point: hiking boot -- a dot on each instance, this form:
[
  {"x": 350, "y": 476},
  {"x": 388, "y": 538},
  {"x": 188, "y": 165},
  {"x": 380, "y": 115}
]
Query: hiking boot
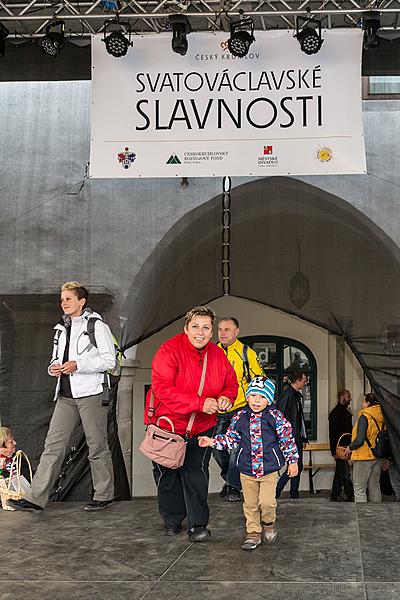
[
  {"x": 172, "y": 529},
  {"x": 98, "y": 504},
  {"x": 233, "y": 495},
  {"x": 224, "y": 492},
  {"x": 199, "y": 534},
  {"x": 269, "y": 534},
  {"x": 24, "y": 505},
  {"x": 251, "y": 541}
]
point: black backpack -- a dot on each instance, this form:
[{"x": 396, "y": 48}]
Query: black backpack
[{"x": 382, "y": 444}]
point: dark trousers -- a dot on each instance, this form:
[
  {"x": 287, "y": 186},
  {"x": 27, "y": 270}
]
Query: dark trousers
[
  {"x": 226, "y": 459},
  {"x": 294, "y": 481},
  {"x": 342, "y": 479},
  {"x": 183, "y": 492}
]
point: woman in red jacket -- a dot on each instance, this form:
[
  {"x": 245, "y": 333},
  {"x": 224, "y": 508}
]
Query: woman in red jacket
[{"x": 177, "y": 369}]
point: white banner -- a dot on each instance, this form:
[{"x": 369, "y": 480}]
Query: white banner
[{"x": 277, "y": 111}]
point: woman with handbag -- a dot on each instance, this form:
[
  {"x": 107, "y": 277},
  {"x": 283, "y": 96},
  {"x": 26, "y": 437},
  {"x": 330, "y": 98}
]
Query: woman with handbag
[
  {"x": 191, "y": 380},
  {"x": 366, "y": 467}
]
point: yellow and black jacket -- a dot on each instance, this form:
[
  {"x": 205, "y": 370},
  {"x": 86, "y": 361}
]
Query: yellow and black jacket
[
  {"x": 370, "y": 413},
  {"x": 235, "y": 355}
]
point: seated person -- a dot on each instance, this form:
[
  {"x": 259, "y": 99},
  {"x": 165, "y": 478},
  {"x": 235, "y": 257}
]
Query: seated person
[{"x": 8, "y": 448}]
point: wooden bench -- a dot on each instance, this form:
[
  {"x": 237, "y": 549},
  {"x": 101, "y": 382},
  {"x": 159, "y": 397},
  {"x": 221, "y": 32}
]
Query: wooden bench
[{"x": 314, "y": 468}]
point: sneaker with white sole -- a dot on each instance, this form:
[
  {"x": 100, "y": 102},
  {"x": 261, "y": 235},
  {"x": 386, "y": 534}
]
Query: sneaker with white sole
[{"x": 251, "y": 541}]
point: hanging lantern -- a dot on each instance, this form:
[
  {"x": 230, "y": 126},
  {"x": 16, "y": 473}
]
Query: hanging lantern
[{"x": 299, "y": 289}]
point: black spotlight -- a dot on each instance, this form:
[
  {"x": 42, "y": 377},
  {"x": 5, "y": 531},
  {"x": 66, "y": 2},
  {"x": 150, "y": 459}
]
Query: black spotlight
[
  {"x": 371, "y": 24},
  {"x": 308, "y": 33},
  {"x": 241, "y": 37},
  {"x": 3, "y": 34},
  {"x": 53, "y": 41},
  {"x": 180, "y": 29},
  {"x": 116, "y": 42}
]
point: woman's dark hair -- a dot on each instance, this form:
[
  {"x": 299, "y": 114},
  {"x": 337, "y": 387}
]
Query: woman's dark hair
[{"x": 371, "y": 399}]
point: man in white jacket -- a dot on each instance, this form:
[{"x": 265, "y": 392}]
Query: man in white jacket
[{"x": 80, "y": 396}]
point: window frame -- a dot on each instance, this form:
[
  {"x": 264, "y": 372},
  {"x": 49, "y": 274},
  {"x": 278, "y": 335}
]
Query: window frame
[
  {"x": 280, "y": 343},
  {"x": 366, "y": 95}
]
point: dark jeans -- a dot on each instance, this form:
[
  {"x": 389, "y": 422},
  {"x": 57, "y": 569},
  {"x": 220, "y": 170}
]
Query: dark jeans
[
  {"x": 294, "y": 481},
  {"x": 183, "y": 492},
  {"x": 226, "y": 459},
  {"x": 342, "y": 479}
]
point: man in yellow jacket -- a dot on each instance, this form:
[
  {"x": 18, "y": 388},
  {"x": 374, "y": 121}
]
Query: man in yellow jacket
[{"x": 245, "y": 363}]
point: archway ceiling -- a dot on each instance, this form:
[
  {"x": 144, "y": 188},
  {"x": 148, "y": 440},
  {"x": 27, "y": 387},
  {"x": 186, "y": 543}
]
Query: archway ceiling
[{"x": 28, "y": 19}]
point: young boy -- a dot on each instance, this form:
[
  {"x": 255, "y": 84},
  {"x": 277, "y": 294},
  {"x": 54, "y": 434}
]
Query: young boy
[{"x": 265, "y": 442}]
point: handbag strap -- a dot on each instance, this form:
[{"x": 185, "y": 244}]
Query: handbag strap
[
  {"x": 378, "y": 428},
  {"x": 17, "y": 462},
  {"x": 199, "y": 393}
]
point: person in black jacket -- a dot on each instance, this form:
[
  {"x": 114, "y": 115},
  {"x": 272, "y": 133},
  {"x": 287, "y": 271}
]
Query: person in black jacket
[
  {"x": 340, "y": 422},
  {"x": 290, "y": 404}
]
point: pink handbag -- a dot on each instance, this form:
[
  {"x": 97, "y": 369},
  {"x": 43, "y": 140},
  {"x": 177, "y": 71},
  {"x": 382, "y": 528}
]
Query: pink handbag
[{"x": 168, "y": 448}]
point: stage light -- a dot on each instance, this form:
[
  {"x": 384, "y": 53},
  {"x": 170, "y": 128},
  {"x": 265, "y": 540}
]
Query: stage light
[
  {"x": 116, "y": 42},
  {"x": 308, "y": 33},
  {"x": 371, "y": 23},
  {"x": 241, "y": 37},
  {"x": 180, "y": 29},
  {"x": 3, "y": 34},
  {"x": 53, "y": 41}
]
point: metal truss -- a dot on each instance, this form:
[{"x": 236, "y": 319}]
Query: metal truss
[{"x": 26, "y": 20}]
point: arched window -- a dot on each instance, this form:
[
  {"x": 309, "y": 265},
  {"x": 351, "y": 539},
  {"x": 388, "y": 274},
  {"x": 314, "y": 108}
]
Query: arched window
[{"x": 281, "y": 356}]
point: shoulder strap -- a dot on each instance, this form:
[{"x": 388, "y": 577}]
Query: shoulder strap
[
  {"x": 199, "y": 393},
  {"x": 378, "y": 428},
  {"x": 91, "y": 322},
  {"x": 246, "y": 365},
  {"x": 151, "y": 409}
]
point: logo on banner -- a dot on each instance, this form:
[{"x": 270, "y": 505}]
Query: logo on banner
[
  {"x": 324, "y": 154},
  {"x": 268, "y": 159},
  {"x": 173, "y": 160},
  {"x": 126, "y": 158}
]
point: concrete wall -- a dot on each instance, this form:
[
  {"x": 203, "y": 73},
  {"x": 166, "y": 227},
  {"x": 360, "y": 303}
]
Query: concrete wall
[{"x": 254, "y": 319}]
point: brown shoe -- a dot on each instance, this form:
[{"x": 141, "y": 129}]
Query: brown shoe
[
  {"x": 269, "y": 534},
  {"x": 251, "y": 541}
]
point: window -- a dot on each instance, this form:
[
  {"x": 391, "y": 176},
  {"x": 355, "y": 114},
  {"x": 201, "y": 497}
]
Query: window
[
  {"x": 381, "y": 87},
  {"x": 281, "y": 356}
]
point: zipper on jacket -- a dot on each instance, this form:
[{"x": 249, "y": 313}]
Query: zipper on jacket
[
  {"x": 238, "y": 456},
  {"x": 276, "y": 456}
]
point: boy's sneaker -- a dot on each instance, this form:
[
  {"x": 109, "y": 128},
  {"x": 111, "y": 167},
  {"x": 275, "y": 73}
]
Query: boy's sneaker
[
  {"x": 251, "y": 541},
  {"x": 98, "y": 504},
  {"x": 233, "y": 495},
  {"x": 269, "y": 534}
]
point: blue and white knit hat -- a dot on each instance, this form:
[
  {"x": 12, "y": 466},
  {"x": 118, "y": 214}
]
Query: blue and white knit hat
[{"x": 262, "y": 385}]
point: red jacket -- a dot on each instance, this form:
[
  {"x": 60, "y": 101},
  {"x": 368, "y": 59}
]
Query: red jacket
[{"x": 177, "y": 368}]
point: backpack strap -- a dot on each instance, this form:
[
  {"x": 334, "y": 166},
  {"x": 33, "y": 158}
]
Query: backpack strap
[
  {"x": 246, "y": 365},
  {"x": 91, "y": 322},
  {"x": 378, "y": 428}
]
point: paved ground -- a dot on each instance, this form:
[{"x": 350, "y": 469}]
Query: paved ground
[{"x": 324, "y": 551}]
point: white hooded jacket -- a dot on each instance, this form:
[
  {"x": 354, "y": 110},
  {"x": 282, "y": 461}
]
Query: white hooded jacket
[{"x": 91, "y": 362}]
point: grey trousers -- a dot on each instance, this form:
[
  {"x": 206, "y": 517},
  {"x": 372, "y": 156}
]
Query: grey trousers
[
  {"x": 366, "y": 474},
  {"x": 67, "y": 414}
]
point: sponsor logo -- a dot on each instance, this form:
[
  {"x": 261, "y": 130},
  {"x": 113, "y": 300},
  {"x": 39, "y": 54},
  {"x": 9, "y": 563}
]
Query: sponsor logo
[
  {"x": 195, "y": 157},
  {"x": 173, "y": 160},
  {"x": 325, "y": 154},
  {"x": 225, "y": 55},
  {"x": 268, "y": 158},
  {"x": 126, "y": 158}
]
